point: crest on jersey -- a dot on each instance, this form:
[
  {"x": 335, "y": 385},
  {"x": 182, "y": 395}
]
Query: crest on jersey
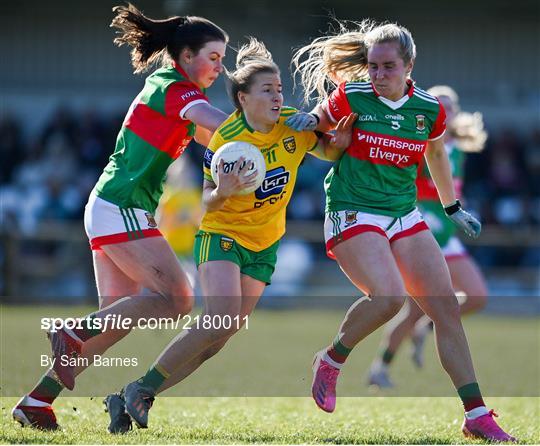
[
  {"x": 350, "y": 218},
  {"x": 289, "y": 144},
  {"x": 226, "y": 243},
  {"x": 420, "y": 123},
  {"x": 151, "y": 220}
]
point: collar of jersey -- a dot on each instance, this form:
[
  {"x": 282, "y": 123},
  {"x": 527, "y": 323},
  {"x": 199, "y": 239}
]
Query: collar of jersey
[
  {"x": 251, "y": 130},
  {"x": 394, "y": 105},
  {"x": 178, "y": 68}
]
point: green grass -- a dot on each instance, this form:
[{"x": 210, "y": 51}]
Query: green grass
[
  {"x": 245, "y": 395},
  {"x": 279, "y": 420}
]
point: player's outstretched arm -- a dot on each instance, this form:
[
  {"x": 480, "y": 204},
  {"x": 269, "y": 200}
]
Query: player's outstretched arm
[
  {"x": 314, "y": 120},
  {"x": 439, "y": 168},
  {"x": 332, "y": 146},
  {"x": 205, "y": 115}
]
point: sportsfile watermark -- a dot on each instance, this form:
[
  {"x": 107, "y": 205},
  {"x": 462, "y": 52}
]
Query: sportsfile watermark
[
  {"x": 118, "y": 322},
  {"x": 274, "y": 357}
]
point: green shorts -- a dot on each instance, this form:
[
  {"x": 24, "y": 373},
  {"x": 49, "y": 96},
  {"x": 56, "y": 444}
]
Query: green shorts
[{"x": 259, "y": 265}]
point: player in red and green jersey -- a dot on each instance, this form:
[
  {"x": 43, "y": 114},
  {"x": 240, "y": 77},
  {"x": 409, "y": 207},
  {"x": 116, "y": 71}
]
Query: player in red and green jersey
[
  {"x": 129, "y": 252},
  {"x": 372, "y": 226},
  {"x": 236, "y": 248},
  {"x": 465, "y": 134}
]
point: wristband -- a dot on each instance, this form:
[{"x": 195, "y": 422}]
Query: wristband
[
  {"x": 316, "y": 117},
  {"x": 453, "y": 208}
]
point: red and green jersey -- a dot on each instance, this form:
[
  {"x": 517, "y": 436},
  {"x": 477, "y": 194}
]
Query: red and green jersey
[
  {"x": 425, "y": 185},
  {"x": 377, "y": 172},
  {"x": 154, "y": 134},
  {"x": 428, "y": 199}
]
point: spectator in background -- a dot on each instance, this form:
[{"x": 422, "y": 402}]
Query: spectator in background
[{"x": 11, "y": 147}]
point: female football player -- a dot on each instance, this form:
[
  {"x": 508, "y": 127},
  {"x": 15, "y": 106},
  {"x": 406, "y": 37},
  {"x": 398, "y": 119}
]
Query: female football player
[
  {"x": 236, "y": 247},
  {"x": 129, "y": 252},
  {"x": 464, "y": 134},
  {"x": 372, "y": 226}
]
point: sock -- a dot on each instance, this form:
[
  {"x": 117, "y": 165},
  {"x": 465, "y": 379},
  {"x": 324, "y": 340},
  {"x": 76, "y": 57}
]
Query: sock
[
  {"x": 87, "y": 329},
  {"x": 470, "y": 396},
  {"x": 337, "y": 352},
  {"x": 475, "y": 413},
  {"x": 46, "y": 390},
  {"x": 387, "y": 357},
  {"x": 155, "y": 376}
]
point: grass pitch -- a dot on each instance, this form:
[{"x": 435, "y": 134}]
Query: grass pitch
[
  {"x": 245, "y": 395},
  {"x": 369, "y": 420}
]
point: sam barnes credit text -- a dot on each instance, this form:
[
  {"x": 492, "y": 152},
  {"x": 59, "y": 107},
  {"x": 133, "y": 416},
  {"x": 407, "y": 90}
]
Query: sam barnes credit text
[{"x": 98, "y": 361}]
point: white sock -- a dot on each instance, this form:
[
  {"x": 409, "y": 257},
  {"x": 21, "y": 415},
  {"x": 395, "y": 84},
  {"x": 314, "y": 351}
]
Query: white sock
[
  {"x": 476, "y": 412},
  {"x": 379, "y": 366},
  {"x": 330, "y": 361},
  {"x": 29, "y": 401}
]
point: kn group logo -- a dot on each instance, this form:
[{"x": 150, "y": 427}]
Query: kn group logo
[
  {"x": 208, "y": 155},
  {"x": 273, "y": 184}
]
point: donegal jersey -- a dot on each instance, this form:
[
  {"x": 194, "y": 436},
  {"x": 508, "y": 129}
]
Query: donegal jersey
[
  {"x": 377, "y": 172},
  {"x": 257, "y": 220},
  {"x": 154, "y": 133}
]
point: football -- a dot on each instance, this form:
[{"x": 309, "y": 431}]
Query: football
[{"x": 230, "y": 153}]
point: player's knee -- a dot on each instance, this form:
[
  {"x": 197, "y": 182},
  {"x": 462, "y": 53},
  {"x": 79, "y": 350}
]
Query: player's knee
[
  {"x": 445, "y": 311},
  {"x": 392, "y": 304},
  {"x": 477, "y": 301},
  {"x": 178, "y": 296}
]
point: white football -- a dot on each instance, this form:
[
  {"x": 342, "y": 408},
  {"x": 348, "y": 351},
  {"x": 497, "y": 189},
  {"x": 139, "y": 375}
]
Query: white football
[{"x": 230, "y": 153}]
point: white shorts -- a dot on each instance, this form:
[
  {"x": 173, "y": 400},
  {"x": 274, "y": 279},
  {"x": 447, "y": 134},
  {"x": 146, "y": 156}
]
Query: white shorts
[
  {"x": 454, "y": 249},
  {"x": 342, "y": 225},
  {"x": 106, "y": 223}
]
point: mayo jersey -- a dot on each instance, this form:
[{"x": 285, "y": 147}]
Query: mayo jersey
[
  {"x": 428, "y": 199},
  {"x": 425, "y": 185},
  {"x": 153, "y": 135},
  {"x": 377, "y": 172},
  {"x": 257, "y": 220}
]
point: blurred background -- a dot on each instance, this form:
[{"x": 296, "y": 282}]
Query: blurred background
[{"x": 65, "y": 89}]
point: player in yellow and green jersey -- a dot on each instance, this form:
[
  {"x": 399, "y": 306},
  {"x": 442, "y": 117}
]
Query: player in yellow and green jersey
[{"x": 236, "y": 247}]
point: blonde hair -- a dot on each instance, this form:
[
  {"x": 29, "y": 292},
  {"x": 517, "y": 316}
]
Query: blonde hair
[
  {"x": 344, "y": 55},
  {"x": 252, "y": 58},
  {"x": 466, "y": 128}
]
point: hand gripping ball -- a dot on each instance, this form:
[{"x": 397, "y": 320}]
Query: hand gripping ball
[{"x": 230, "y": 153}]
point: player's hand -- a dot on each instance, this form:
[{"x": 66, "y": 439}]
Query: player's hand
[
  {"x": 301, "y": 121},
  {"x": 342, "y": 137},
  {"x": 469, "y": 224},
  {"x": 235, "y": 181}
]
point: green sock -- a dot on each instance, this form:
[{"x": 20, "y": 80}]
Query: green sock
[
  {"x": 471, "y": 396},
  {"x": 87, "y": 329},
  {"x": 46, "y": 390},
  {"x": 337, "y": 351},
  {"x": 154, "y": 378},
  {"x": 387, "y": 357}
]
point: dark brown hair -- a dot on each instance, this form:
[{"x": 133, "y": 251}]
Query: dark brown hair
[{"x": 156, "y": 41}]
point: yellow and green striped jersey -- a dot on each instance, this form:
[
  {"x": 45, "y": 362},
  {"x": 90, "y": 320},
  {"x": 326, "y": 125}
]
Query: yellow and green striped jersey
[{"x": 257, "y": 220}]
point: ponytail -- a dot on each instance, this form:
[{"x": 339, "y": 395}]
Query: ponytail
[
  {"x": 156, "y": 41},
  {"x": 343, "y": 56}
]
